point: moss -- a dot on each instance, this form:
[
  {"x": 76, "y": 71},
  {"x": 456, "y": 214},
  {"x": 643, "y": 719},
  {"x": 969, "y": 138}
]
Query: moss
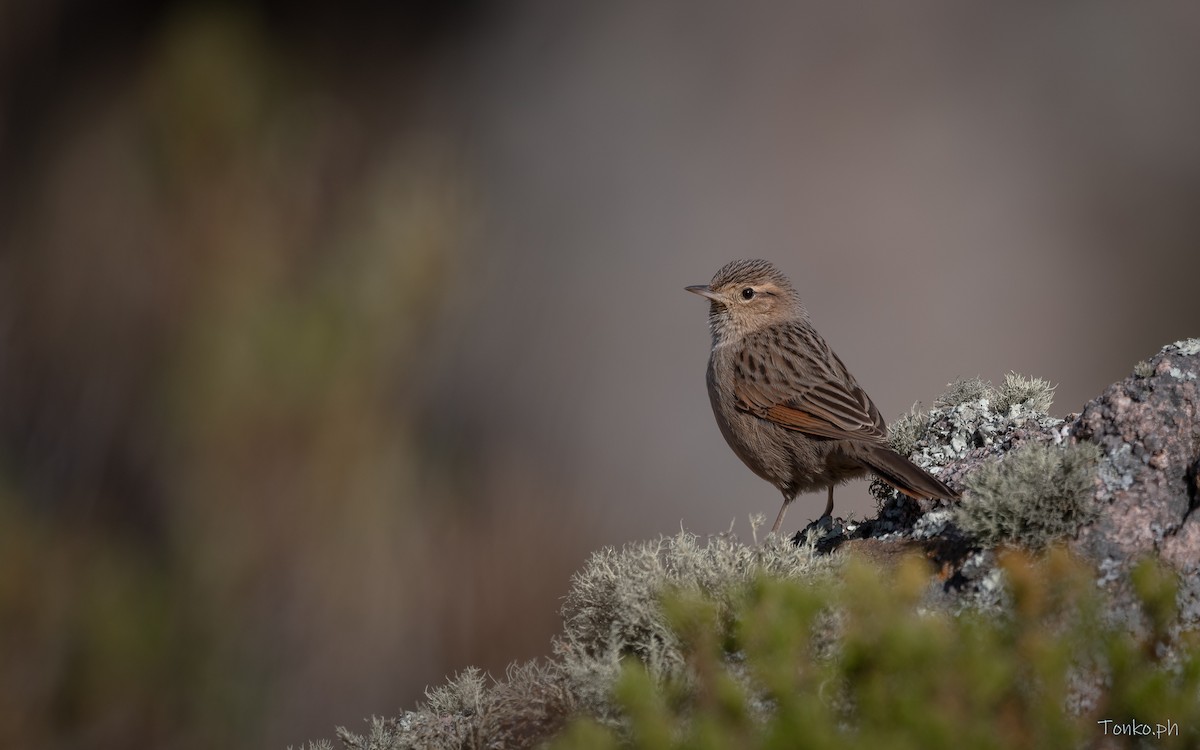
[{"x": 1032, "y": 496}]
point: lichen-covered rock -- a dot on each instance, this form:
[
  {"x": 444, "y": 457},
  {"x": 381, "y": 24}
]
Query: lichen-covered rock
[
  {"x": 1027, "y": 479},
  {"x": 973, "y": 427},
  {"x": 970, "y": 425},
  {"x": 1148, "y": 429}
]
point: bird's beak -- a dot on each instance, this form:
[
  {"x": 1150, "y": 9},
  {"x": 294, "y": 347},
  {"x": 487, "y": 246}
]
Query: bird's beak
[{"x": 703, "y": 291}]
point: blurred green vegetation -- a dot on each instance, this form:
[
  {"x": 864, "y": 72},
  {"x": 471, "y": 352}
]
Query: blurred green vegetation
[
  {"x": 901, "y": 674},
  {"x": 216, "y": 293},
  {"x": 102, "y": 645}
]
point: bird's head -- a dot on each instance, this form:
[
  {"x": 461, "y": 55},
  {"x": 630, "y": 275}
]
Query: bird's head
[{"x": 746, "y": 295}]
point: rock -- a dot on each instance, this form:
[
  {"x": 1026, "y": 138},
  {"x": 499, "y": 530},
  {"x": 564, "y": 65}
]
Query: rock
[{"x": 1148, "y": 428}]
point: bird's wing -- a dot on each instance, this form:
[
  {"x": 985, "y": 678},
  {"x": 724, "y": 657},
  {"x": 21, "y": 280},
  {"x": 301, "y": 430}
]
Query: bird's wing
[{"x": 788, "y": 374}]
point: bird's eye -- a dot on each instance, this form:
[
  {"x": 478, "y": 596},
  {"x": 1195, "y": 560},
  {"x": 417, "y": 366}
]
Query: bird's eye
[{"x": 748, "y": 293}]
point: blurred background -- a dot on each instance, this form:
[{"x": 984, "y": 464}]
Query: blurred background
[{"x": 333, "y": 338}]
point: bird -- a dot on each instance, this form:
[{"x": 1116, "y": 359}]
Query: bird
[{"x": 784, "y": 401}]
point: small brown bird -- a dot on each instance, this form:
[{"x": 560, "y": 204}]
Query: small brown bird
[{"x": 784, "y": 401}]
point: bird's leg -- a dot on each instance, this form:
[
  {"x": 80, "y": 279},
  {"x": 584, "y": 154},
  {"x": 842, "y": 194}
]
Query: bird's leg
[
  {"x": 829, "y": 505},
  {"x": 779, "y": 518}
]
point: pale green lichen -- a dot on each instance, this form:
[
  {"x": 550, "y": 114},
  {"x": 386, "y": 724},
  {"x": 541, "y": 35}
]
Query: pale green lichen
[
  {"x": 614, "y": 608},
  {"x": 907, "y": 430},
  {"x": 1186, "y": 347},
  {"x": 1032, "y": 496},
  {"x": 472, "y": 710},
  {"x": 965, "y": 390},
  {"x": 1032, "y": 394}
]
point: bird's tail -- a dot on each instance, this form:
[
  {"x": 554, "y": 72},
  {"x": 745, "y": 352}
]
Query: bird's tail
[{"x": 906, "y": 476}]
